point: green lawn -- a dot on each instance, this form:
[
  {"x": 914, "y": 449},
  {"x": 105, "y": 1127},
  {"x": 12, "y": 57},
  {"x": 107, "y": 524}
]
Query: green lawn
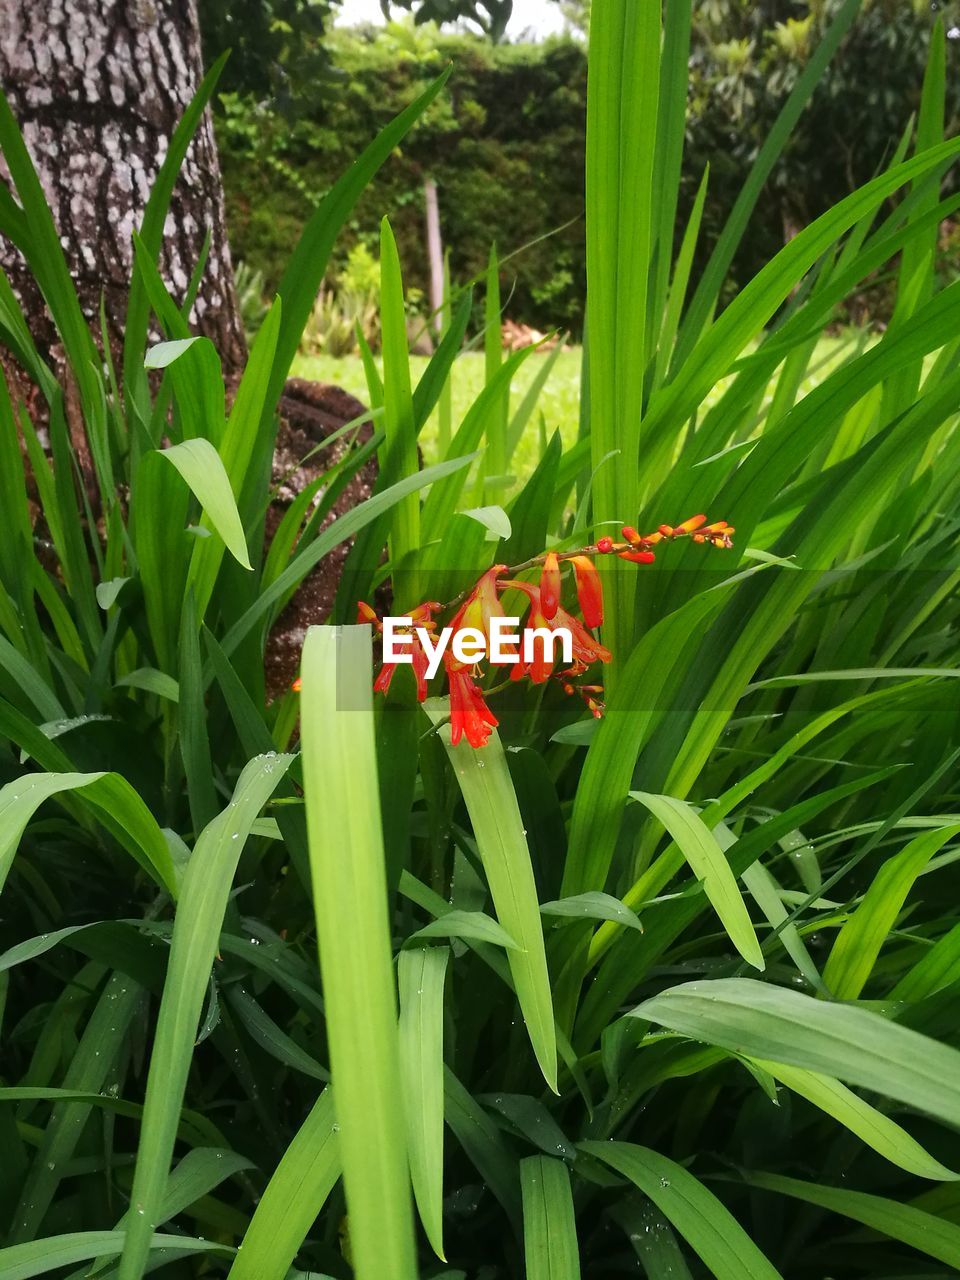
[{"x": 559, "y": 403}]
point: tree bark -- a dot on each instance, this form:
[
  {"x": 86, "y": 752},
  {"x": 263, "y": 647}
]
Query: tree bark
[{"x": 98, "y": 87}]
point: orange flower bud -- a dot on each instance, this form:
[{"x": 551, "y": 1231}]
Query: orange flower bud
[
  {"x": 550, "y": 586},
  {"x": 690, "y": 525},
  {"x": 589, "y": 590},
  {"x": 637, "y": 557}
]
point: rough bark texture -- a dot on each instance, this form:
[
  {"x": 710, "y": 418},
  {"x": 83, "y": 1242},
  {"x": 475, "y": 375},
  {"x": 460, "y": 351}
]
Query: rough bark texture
[{"x": 98, "y": 87}]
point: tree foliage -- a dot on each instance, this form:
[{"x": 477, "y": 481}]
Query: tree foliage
[
  {"x": 277, "y": 48},
  {"x": 489, "y": 16},
  {"x": 506, "y": 148}
]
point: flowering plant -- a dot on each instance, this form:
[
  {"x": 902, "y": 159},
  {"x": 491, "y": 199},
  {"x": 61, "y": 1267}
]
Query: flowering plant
[{"x": 474, "y": 610}]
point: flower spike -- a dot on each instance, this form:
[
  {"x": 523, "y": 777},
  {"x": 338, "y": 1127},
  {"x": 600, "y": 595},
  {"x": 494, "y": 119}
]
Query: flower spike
[{"x": 475, "y": 609}]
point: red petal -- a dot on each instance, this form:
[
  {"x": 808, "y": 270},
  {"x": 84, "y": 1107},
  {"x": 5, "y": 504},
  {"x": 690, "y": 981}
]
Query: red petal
[
  {"x": 637, "y": 557},
  {"x": 550, "y": 585},
  {"x": 589, "y": 590}
]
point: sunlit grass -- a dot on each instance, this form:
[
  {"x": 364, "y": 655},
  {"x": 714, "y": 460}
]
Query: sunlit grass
[{"x": 559, "y": 407}]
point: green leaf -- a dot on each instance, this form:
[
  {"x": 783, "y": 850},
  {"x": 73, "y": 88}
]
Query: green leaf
[
  {"x": 421, "y": 974},
  {"x": 115, "y": 802},
  {"x": 927, "y": 1232},
  {"x": 709, "y": 864},
  {"x": 936, "y": 969},
  {"x": 550, "y": 1246},
  {"x": 295, "y": 1194},
  {"x": 709, "y": 1228},
  {"x": 484, "y": 780},
  {"x": 494, "y": 519},
  {"x": 151, "y": 681},
  {"x": 22, "y": 1261},
  {"x": 877, "y": 1130},
  {"x": 349, "y": 887},
  {"x": 107, "y": 592},
  {"x": 592, "y": 906},
  {"x": 853, "y": 1044},
  {"x": 859, "y": 942},
  {"x": 338, "y": 531},
  {"x": 713, "y": 277},
  {"x": 398, "y": 454},
  {"x": 150, "y": 238},
  {"x": 473, "y": 925},
  {"x": 203, "y": 901},
  {"x": 201, "y": 467},
  {"x": 654, "y": 1242},
  {"x": 163, "y": 354}
]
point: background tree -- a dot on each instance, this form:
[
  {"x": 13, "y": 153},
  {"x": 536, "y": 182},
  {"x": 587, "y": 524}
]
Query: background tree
[
  {"x": 277, "y": 49},
  {"x": 489, "y": 16},
  {"x": 98, "y": 87}
]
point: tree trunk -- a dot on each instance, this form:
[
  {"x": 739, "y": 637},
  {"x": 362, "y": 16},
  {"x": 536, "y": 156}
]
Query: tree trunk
[{"x": 98, "y": 87}]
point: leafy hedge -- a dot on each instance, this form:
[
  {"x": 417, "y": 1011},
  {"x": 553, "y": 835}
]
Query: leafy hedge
[{"x": 506, "y": 147}]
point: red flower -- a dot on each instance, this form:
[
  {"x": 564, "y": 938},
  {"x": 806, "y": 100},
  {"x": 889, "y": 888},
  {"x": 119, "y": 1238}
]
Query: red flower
[
  {"x": 421, "y": 616},
  {"x": 589, "y": 590},
  {"x": 586, "y": 650},
  {"x": 469, "y": 714},
  {"x": 550, "y": 585},
  {"x": 480, "y": 606},
  {"x": 540, "y": 666}
]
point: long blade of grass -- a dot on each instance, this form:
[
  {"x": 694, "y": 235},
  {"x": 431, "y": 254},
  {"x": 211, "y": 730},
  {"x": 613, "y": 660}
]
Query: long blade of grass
[
  {"x": 116, "y": 803},
  {"x": 203, "y": 900},
  {"x": 295, "y": 1194},
  {"x": 550, "y": 1246},
  {"x": 877, "y": 1130},
  {"x": 707, "y": 1226},
  {"x": 853, "y": 1044},
  {"x": 484, "y": 781},
  {"x": 421, "y": 974},
  {"x": 495, "y": 458},
  {"x": 349, "y": 889},
  {"x": 398, "y": 455},
  {"x": 154, "y": 217},
  {"x": 928, "y": 1232},
  {"x": 858, "y": 943},
  {"x": 343, "y": 527},
  {"x": 699, "y": 846},
  {"x": 21, "y": 1261}
]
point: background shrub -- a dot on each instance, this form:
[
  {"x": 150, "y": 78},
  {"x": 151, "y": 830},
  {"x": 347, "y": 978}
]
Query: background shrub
[{"x": 506, "y": 146}]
